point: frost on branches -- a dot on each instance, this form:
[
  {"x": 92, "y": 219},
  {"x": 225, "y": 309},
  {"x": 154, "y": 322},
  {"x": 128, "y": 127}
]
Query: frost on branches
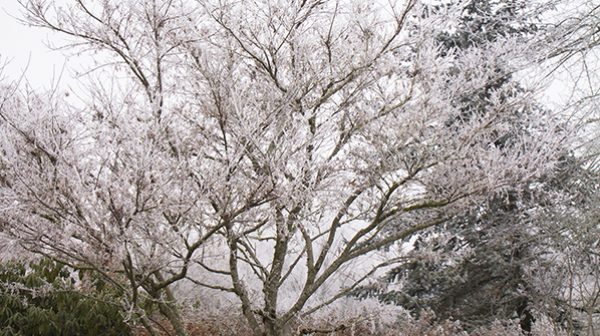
[{"x": 286, "y": 137}]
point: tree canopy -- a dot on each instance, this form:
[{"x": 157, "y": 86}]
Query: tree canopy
[{"x": 262, "y": 148}]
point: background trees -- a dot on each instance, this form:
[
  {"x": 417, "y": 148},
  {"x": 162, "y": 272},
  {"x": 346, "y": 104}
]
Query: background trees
[
  {"x": 489, "y": 264},
  {"x": 291, "y": 139}
]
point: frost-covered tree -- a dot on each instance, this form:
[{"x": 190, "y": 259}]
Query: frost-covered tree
[
  {"x": 494, "y": 262},
  {"x": 290, "y": 139},
  {"x": 473, "y": 268},
  {"x": 506, "y": 260},
  {"x": 566, "y": 272}
]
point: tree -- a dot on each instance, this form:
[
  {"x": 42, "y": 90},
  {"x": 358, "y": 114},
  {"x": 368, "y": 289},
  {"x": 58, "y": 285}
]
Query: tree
[
  {"x": 473, "y": 269},
  {"x": 294, "y": 134},
  {"x": 566, "y": 274},
  {"x": 504, "y": 261}
]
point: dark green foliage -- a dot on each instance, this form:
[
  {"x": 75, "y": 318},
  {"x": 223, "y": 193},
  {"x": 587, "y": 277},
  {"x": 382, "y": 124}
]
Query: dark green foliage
[
  {"x": 473, "y": 270},
  {"x": 40, "y": 299},
  {"x": 478, "y": 268}
]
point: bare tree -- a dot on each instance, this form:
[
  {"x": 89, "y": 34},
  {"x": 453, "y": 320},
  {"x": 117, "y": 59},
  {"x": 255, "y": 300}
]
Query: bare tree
[{"x": 295, "y": 133}]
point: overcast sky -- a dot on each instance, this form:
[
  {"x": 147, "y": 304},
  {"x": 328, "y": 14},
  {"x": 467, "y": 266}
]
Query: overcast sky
[{"x": 24, "y": 48}]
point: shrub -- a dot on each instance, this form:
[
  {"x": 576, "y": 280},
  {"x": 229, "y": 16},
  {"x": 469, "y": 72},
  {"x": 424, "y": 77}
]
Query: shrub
[{"x": 40, "y": 298}]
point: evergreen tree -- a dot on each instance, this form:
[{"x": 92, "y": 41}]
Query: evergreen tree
[{"x": 474, "y": 269}]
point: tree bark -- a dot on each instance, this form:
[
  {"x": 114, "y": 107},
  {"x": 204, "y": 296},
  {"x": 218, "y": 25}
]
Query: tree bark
[{"x": 168, "y": 308}]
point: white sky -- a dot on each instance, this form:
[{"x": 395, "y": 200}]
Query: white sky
[{"x": 25, "y": 49}]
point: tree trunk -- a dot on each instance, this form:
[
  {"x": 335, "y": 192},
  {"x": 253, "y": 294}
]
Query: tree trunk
[
  {"x": 167, "y": 307},
  {"x": 148, "y": 326},
  {"x": 172, "y": 314},
  {"x": 276, "y": 328}
]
